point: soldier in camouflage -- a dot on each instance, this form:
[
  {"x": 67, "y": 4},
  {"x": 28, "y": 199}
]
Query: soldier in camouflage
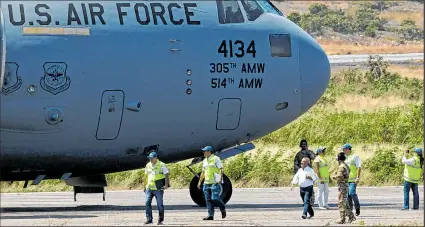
[{"x": 341, "y": 179}]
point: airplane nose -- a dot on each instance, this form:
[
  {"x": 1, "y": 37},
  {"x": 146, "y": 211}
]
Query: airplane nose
[{"x": 315, "y": 71}]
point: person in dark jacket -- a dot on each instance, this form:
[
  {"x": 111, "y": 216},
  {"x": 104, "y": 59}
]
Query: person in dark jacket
[{"x": 305, "y": 152}]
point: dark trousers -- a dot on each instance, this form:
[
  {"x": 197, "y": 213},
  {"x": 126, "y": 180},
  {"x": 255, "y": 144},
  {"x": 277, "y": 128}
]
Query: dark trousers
[
  {"x": 352, "y": 196},
  {"x": 414, "y": 187},
  {"x": 306, "y": 193},
  {"x": 211, "y": 194},
  {"x": 158, "y": 194}
]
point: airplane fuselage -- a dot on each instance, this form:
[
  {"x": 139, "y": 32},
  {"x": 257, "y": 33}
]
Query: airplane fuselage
[{"x": 105, "y": 80}]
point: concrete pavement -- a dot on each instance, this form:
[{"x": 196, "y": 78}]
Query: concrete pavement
[{"x": 248, "y": 207}]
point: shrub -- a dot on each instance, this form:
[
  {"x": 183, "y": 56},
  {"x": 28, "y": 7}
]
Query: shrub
[
  {"x": 366, "y": 20},
  {"x": 385, "y": 167},
  {"x": 368, "y": 17},
  {"x": 371, "y": 31},
  {"x": 295, "y": 17},
  {"x": 409, "y": 31}
]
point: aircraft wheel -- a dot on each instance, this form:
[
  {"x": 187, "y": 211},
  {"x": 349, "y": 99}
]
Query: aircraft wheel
[{"x": 197, "y": 195}]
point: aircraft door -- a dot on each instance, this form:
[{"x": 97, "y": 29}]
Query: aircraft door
[
  {"x": 228, "y": 114},
  {"x": 110, "y": 116},
  {"x": 2, "y": 48}
]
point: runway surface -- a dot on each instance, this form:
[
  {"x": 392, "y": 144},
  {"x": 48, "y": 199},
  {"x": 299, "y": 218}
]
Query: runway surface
[
  {"x": 346, "y": 60},
  {"x": 248, "y": 207}
]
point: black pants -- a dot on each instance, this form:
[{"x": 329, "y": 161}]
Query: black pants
[{"x": 306, "y": 193}]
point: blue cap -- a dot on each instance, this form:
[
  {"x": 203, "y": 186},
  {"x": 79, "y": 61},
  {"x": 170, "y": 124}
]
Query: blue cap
[
  {"x": 346, "y": 146},
  {"x": 418, "y": 150},
  {"x": 153, "y": 155},
  {"x": 207, "y": 148},
  {"x": 320, "y": 149}
]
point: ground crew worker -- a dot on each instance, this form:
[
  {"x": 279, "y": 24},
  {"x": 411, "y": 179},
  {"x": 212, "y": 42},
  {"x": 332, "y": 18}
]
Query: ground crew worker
[
  {"x": 353, "y": 161},
  {"x": 301, "y": 154},
  {"x": 341, "y": 178},
  {"x": 322, "y": 171},
  {"x": 156, "y": 180},
  {"x": 412, "y": 175},
  {"x": 212, "y": 172},
  {"x": 305, "y": 178}
]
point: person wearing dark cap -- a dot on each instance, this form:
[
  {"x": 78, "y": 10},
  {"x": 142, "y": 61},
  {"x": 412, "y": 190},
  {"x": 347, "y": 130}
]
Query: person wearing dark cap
[
  {"x": 341, "y": 178},
  {"x": 412, "y": 176},
  {"x": 156, "y": 180},
  {"x": 305, "y": 152},
  {"x": 322, "y": 171},
  {"x": 354, "y": 163},
  {"x": 212, "y": 172}
]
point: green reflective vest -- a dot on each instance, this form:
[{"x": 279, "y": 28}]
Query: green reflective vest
[
  {"x": 209, "y": 167},
  {"x": 412, "y": 173},
  {"x": 154, "y": 174},
  {"x": 323, "y": 169},
  {"x": 353, "y": 168}
]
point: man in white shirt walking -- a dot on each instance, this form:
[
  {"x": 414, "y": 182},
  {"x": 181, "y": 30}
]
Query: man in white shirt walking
[{"x": 305, "y": 178}]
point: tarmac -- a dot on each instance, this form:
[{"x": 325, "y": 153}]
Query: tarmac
[{"x": 247, "y": 207}]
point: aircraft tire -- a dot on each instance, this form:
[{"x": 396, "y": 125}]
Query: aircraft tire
[{"x": 197, "y": 195}]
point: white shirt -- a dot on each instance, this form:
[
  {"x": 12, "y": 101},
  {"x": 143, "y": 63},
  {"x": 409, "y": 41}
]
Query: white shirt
[
  {"x": 407, "y": 161},
  {"x": 218, "y": 163},
  {"x": 300, "y": 177},
  {"x": 357, "y": 161},
  {"x": 164, "y": 168}
]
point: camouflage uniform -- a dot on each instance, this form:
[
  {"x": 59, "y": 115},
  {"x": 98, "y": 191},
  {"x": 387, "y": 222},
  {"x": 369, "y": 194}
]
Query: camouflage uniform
[{"x": 341, "y": 178}]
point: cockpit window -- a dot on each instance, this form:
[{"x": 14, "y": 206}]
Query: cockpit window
[
  {"x": 280, "y": 45},
  {"x": 229, "y": 12},
  {"x": 253, "y": 9},
  {"x": 269, "y": 7}
]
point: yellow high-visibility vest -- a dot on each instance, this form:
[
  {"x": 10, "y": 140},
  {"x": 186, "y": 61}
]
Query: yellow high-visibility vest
[
  {"x": 412, "y": 173},
  {"x": 353, "y": 168},
  {"x": 210, "y": 168},
  {"x": 323, "y": 169},
  {"x": 154, "y": 174}
]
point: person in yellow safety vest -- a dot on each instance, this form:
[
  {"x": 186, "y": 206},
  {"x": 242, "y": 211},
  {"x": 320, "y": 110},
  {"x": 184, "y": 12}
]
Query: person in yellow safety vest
[
  {"x": 212, "y": 172},
  {"x": 354, "y": 162},
  {"x": 322, "y": 171},
  {"x": 412, "y": 176},
  {"x": 156, "y": 180}
]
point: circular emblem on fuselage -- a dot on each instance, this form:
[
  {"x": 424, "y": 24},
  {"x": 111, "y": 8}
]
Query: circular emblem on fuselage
[{"x": 55, "y": 75}]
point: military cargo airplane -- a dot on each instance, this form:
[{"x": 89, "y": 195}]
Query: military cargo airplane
[{"x": 91, "y": 87}]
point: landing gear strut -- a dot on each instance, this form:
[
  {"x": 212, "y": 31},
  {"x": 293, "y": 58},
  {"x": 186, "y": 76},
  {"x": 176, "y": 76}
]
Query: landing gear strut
[{"x": 197, "y": 195}]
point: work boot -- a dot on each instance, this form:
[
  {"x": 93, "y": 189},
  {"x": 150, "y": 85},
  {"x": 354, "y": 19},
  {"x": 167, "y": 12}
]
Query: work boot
[
  {"x": 223, "y": 214},
  {"x": 357, "y": 211},
  {"x": 351, "y": 219},
  {"x": 208, "y": 218},
  {"x": 148, "y": 222}
]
